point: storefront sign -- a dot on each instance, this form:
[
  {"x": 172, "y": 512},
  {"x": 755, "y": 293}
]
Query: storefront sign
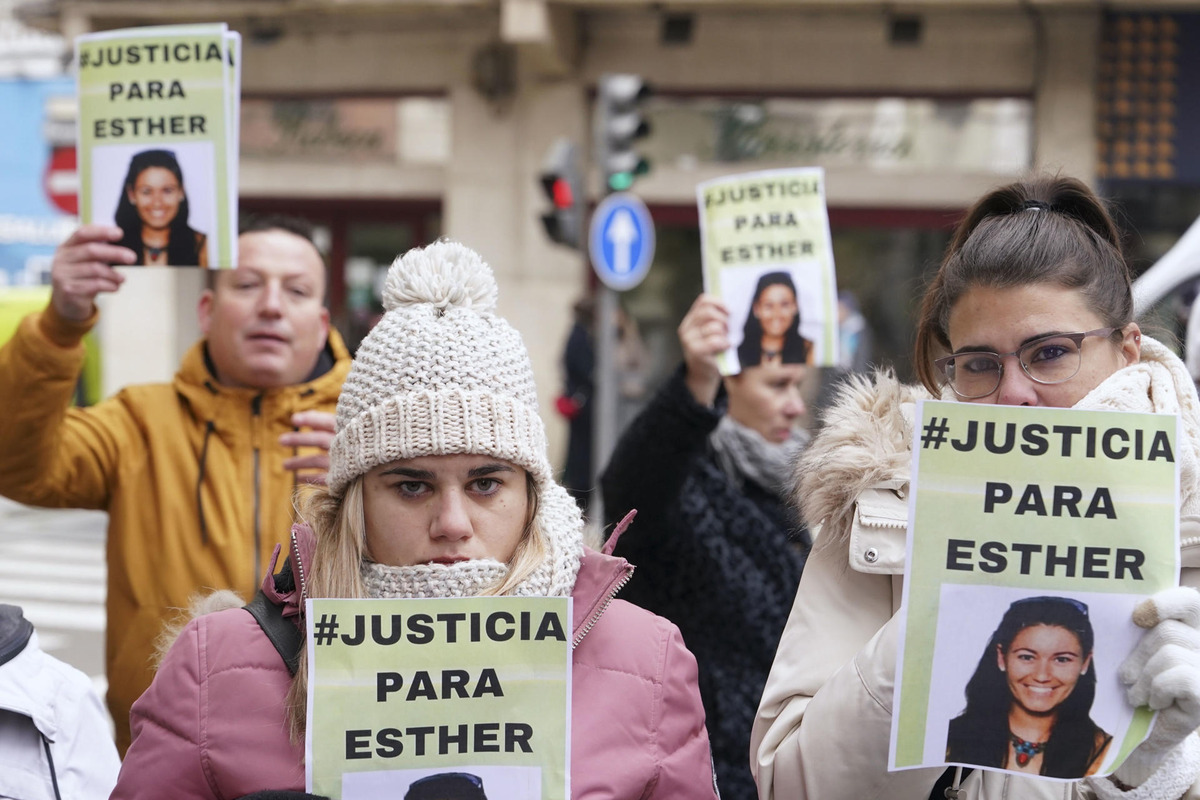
[
  {"x": 895, "y": 134},
  {"x": 393, "y": 130}
]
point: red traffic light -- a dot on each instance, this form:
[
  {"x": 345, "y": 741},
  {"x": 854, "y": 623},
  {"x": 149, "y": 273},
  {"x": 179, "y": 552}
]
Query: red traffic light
[
  {"x": 559, "y": 190},
  {"x": 562, "y": 182},
  {"x": 563, "y": 196}
]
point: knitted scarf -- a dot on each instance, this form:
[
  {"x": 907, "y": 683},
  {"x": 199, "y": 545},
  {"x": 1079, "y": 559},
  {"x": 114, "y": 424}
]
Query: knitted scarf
[
  {"x": 464, "y": 579},
  {"x": 743, "y": 454},
  {"x": 1159, "y": 383}
]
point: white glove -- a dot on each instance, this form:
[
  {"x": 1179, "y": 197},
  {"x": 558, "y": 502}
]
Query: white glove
[{"x": 1163, "y": 672}]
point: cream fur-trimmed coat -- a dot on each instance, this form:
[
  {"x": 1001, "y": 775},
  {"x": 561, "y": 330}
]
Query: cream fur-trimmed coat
[{"x": 824, "y": 722}]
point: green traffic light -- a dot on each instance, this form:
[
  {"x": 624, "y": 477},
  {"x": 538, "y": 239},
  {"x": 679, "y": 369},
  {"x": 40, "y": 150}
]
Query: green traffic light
[{"x": 620, "y": 181}]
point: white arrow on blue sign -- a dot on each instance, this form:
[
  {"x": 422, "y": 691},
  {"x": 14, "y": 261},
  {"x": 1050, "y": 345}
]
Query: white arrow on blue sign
[{"x": 621, "y": 241}]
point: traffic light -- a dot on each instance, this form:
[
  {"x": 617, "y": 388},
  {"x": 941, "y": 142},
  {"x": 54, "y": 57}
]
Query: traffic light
[
  {"x": 619, "y": 124},
  {"x": 562, "y": 181}
]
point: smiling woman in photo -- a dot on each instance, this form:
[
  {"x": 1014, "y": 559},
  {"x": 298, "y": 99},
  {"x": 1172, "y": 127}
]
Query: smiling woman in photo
[
  {"x": 1030, "y": 699},
  {"x": 772, "y": 331},
  {"x": 153, "y": 213}
]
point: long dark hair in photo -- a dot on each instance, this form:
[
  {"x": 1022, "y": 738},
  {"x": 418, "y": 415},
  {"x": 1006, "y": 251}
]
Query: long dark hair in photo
[
  {"x": 181, "y": 242},
  {"x": 795, "y": 347},
  {"x": 980, "y": 735}
]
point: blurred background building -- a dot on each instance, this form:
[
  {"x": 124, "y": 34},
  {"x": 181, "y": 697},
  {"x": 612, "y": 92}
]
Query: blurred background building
[{"x": 392, "y": 122}]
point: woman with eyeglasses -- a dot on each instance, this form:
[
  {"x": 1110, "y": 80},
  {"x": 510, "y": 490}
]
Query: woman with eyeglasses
[
  {"x": 1030, "y": 698},
  {"x": 1032, "y": 306}
]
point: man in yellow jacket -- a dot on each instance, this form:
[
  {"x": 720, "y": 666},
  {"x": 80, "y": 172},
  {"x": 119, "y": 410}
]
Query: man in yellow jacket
[{"x": 197, "y": 475}]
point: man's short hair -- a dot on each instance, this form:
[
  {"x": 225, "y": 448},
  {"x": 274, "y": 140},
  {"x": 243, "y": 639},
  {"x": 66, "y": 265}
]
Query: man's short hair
[
  {"x": 251, "y": 223},
  {"x": 256, "y": 223}
]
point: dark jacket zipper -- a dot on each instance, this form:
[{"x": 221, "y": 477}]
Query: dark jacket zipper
[{"x": 256, "y": 411}]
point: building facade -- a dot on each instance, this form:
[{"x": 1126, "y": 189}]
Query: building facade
[{"x": 390, "y": 123}]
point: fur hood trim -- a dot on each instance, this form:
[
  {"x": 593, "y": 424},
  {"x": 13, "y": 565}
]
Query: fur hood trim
[
  {"x": 198, "y": 606},
  {"x": 864, "y": 441},
  {"x": 867, "y": 432}
]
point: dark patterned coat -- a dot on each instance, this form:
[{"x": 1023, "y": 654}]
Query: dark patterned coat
[{"x": 720, "y": 560}]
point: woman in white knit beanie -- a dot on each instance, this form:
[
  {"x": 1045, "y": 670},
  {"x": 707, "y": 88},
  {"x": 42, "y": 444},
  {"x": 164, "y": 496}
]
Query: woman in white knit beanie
[{"x": 439, "y": 486}]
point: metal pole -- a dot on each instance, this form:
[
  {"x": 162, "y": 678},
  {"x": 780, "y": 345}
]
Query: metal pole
[{"x": 604, "y": 392}]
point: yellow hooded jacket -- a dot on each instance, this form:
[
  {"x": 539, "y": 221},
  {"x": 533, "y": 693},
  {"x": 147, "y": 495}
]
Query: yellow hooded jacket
[{"x": 191, "y": 475}]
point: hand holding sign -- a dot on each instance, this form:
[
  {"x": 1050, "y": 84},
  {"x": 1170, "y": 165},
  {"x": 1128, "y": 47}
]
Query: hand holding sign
[
  {"x": 80, "y": 270},
  {"x": 1163, "y": 672},
  {"x": 703, "y": 333}
]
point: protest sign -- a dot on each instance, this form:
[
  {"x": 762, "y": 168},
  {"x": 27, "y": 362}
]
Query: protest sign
[
  {"x": 1033, "y": 533},
  {"x": 158, "y": 140},
  {"x": 463, "y": 690},
  {"x": 767, "y": 254}
]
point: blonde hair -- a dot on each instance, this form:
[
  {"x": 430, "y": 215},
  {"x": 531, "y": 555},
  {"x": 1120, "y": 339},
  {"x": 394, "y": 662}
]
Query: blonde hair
[{"x": 340, "y": 527}]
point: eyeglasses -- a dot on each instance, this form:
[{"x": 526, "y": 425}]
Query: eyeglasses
[{"x": 1055, "y": 358}]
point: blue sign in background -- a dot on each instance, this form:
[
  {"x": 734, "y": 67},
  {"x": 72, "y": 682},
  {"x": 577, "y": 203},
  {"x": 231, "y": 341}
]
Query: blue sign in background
[
  {"x": 30, "y": 225},
  {"x": 621, "y": 241}
]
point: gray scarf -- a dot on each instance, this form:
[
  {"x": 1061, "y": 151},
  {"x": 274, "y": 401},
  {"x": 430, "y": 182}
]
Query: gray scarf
[{"x": 743, "y": 454}]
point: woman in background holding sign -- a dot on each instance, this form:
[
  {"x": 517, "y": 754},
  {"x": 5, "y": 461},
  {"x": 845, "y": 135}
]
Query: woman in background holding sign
[
  {"x": 439, "y": 486},
  {"x": 1031, "y": 306},
  {"x": 153, "y": 213},
  {"x": 717, "y": 548}
]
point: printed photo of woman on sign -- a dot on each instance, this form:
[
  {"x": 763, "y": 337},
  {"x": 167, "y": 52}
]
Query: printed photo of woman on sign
[
  {"x": 1029, "y": 701},
  {"x": 480, "y": 782},
  {"x": 447, "y": 786},
  {"x": 771, "y": 334},
  {"x": 771, "y": 320},
  {"x": 152, "y": 210}
]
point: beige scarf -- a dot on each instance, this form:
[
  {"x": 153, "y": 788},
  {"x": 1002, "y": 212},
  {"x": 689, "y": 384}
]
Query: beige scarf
[{"x": 1159, "y": 383}]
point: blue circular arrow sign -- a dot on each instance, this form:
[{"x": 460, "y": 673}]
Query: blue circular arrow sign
[{"x": 621, "y": 241}]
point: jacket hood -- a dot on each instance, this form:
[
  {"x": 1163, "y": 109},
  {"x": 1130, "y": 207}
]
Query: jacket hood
[
  {"x": 31, "y": 690},
  {"x": 864, "y": 441},
  {"x": 288, "y": 586},
  {"x": 15, "y": 631}
]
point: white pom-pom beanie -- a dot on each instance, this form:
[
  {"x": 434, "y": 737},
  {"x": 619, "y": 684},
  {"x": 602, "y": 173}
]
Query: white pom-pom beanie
[{"x": 441, "y": 374}]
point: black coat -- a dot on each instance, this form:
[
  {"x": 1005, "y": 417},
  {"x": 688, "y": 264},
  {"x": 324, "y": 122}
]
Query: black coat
[{"x": 721, "y": 561}]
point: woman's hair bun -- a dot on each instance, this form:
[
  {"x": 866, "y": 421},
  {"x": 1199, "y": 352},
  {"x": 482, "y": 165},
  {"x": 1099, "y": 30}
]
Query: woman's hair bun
[{"x": 445, "y": 275}]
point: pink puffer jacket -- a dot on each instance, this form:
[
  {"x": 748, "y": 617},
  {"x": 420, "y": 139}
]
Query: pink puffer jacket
[{"x": 212, "y": 725}]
